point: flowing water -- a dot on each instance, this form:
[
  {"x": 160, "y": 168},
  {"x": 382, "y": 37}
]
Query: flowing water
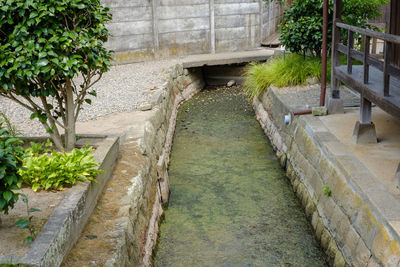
[{"x": 231, "y": 204}]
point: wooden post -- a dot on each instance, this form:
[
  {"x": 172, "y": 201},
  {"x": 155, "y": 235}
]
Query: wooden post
[
  {"x": 337, "y": 15},
  {"x": 365, "y": 111},
  {"x": 335, "y": 104},
  {"x": 367, "y": 41},
  {"x": 350, "y": 41},
  {"x": 394, "y": 28},
  {"x": 386, "y": 77},
  {"x": 374, "y": 44}
]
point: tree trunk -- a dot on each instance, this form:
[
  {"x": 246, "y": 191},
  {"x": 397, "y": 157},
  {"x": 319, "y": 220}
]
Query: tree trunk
[
  {"x": 70, "y": 138},
  {"x": 57, "y": 141}
]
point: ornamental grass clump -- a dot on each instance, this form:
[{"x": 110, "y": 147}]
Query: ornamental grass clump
[
  {"x": 288, "y": 70},
  {"x": 51, "y": 170}
]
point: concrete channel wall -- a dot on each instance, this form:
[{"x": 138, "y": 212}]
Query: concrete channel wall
[
  {"x": 146, "y": 29},
  {"x": 140, "y": 200},
  {"x": 356, "y": 223}
]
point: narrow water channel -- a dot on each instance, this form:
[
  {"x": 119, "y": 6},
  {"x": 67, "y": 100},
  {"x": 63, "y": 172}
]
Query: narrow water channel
[{"x": 231, "y": 204}]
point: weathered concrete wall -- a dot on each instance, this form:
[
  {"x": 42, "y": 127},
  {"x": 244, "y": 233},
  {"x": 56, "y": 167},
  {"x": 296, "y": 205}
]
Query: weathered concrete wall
[
  {"x": 140, "y": 184},
  {"x": 143, "y": 29},
  {"x": 271, "y": 18},
  {"x": 354, "y": 224}
]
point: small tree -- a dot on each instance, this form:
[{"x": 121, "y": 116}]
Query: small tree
[
  {"x": 301, "y": 27},
  {"x": 51, "y": 54}
]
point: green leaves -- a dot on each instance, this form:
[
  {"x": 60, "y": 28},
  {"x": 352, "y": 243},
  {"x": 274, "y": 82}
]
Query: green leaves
[
  {"x": 46, "y": 169},
  {"x": 10, "y": 162},
  {"x": 45, "y": 44},
  {"x": 27, "y": 223},
  {"x": 301, "y": 27},
  {"x": 326, "y": 190},
  {"x": 42, "y": 62},
  {"x": 7, "y": 195}
]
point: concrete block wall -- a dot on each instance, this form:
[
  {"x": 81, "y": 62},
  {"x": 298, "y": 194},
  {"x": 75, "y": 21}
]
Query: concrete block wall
[
  {"x": 183, "y": 27},
  {"x": 144, "y": 29},
  {"x": 271, "y": 17},
  {"x": 237, "y": 24},
  {"x": 131, "y": 28}
]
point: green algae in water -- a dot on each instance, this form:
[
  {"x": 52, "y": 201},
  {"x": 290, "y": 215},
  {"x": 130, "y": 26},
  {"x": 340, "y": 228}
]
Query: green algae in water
[{"x": 231, "y": 204}]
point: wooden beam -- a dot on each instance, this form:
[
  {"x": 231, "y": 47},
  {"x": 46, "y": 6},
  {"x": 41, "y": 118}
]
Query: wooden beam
[
  {"x": 366, "y": 92},
  {"x": 380, "y": 35}
]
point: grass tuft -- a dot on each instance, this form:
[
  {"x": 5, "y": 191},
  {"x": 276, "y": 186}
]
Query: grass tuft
[{"x": 287, "y": 70}]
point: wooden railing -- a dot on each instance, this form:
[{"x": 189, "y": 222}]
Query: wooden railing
[{"x": 385, "y": 66}]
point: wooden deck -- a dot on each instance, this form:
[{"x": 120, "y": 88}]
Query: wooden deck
[{"x": 373, "y": 90}]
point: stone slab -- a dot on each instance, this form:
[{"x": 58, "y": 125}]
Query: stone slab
[{"x": 227, "y": 58}]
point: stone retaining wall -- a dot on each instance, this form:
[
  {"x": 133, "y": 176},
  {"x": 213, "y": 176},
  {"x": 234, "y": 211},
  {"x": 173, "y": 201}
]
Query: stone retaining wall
[
  {"x": 355, "y": 224},
  {"x": 145, "y": 29},
  {"x": 140, "y": 205}
]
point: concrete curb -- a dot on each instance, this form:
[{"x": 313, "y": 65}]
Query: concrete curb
[{"x": 68, "y": 219}]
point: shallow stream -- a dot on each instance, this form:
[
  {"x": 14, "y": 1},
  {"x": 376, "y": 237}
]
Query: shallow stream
[{"x": 230, "y": 204}]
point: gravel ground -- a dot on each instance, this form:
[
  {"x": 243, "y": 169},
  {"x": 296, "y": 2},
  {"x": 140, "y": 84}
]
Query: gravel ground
[{"x": 124, "y": 88}]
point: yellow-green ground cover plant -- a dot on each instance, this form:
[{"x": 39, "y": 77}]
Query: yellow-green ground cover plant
[{"x": 48, "y": 169}]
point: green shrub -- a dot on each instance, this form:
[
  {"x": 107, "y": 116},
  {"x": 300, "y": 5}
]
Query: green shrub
[
  {"x": 46, "y": 169},
  {"x": 301, "y": 27},
  {"x": 288, "y": 70},
  {"x": 10, "y": 163},
  {"x": 44, "y": 46}
]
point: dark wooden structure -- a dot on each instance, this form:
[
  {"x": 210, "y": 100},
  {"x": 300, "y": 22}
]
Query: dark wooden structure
[{"x": 377, "y": 80}]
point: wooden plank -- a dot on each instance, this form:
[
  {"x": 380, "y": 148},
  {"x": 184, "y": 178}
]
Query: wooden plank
[{"x": 380, "y": 35}]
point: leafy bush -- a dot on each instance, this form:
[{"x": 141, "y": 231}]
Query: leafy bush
[
  {"x": 10, "y": 163},
  {"x": 46, "y": 169},
  {"x": 301, "y": 27},
  {"x": 288, "y": 70},
  {"x": 45, "y": 46}
]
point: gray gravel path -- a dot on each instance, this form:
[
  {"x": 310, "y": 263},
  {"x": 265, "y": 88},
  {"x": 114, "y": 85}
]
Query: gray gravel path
[{"x": 124, "y": 88}]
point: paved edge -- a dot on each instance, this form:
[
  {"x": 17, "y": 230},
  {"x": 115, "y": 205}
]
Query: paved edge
[
  {"x": 356, "y": 224},
  {"x": 68, "y": 219}
]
